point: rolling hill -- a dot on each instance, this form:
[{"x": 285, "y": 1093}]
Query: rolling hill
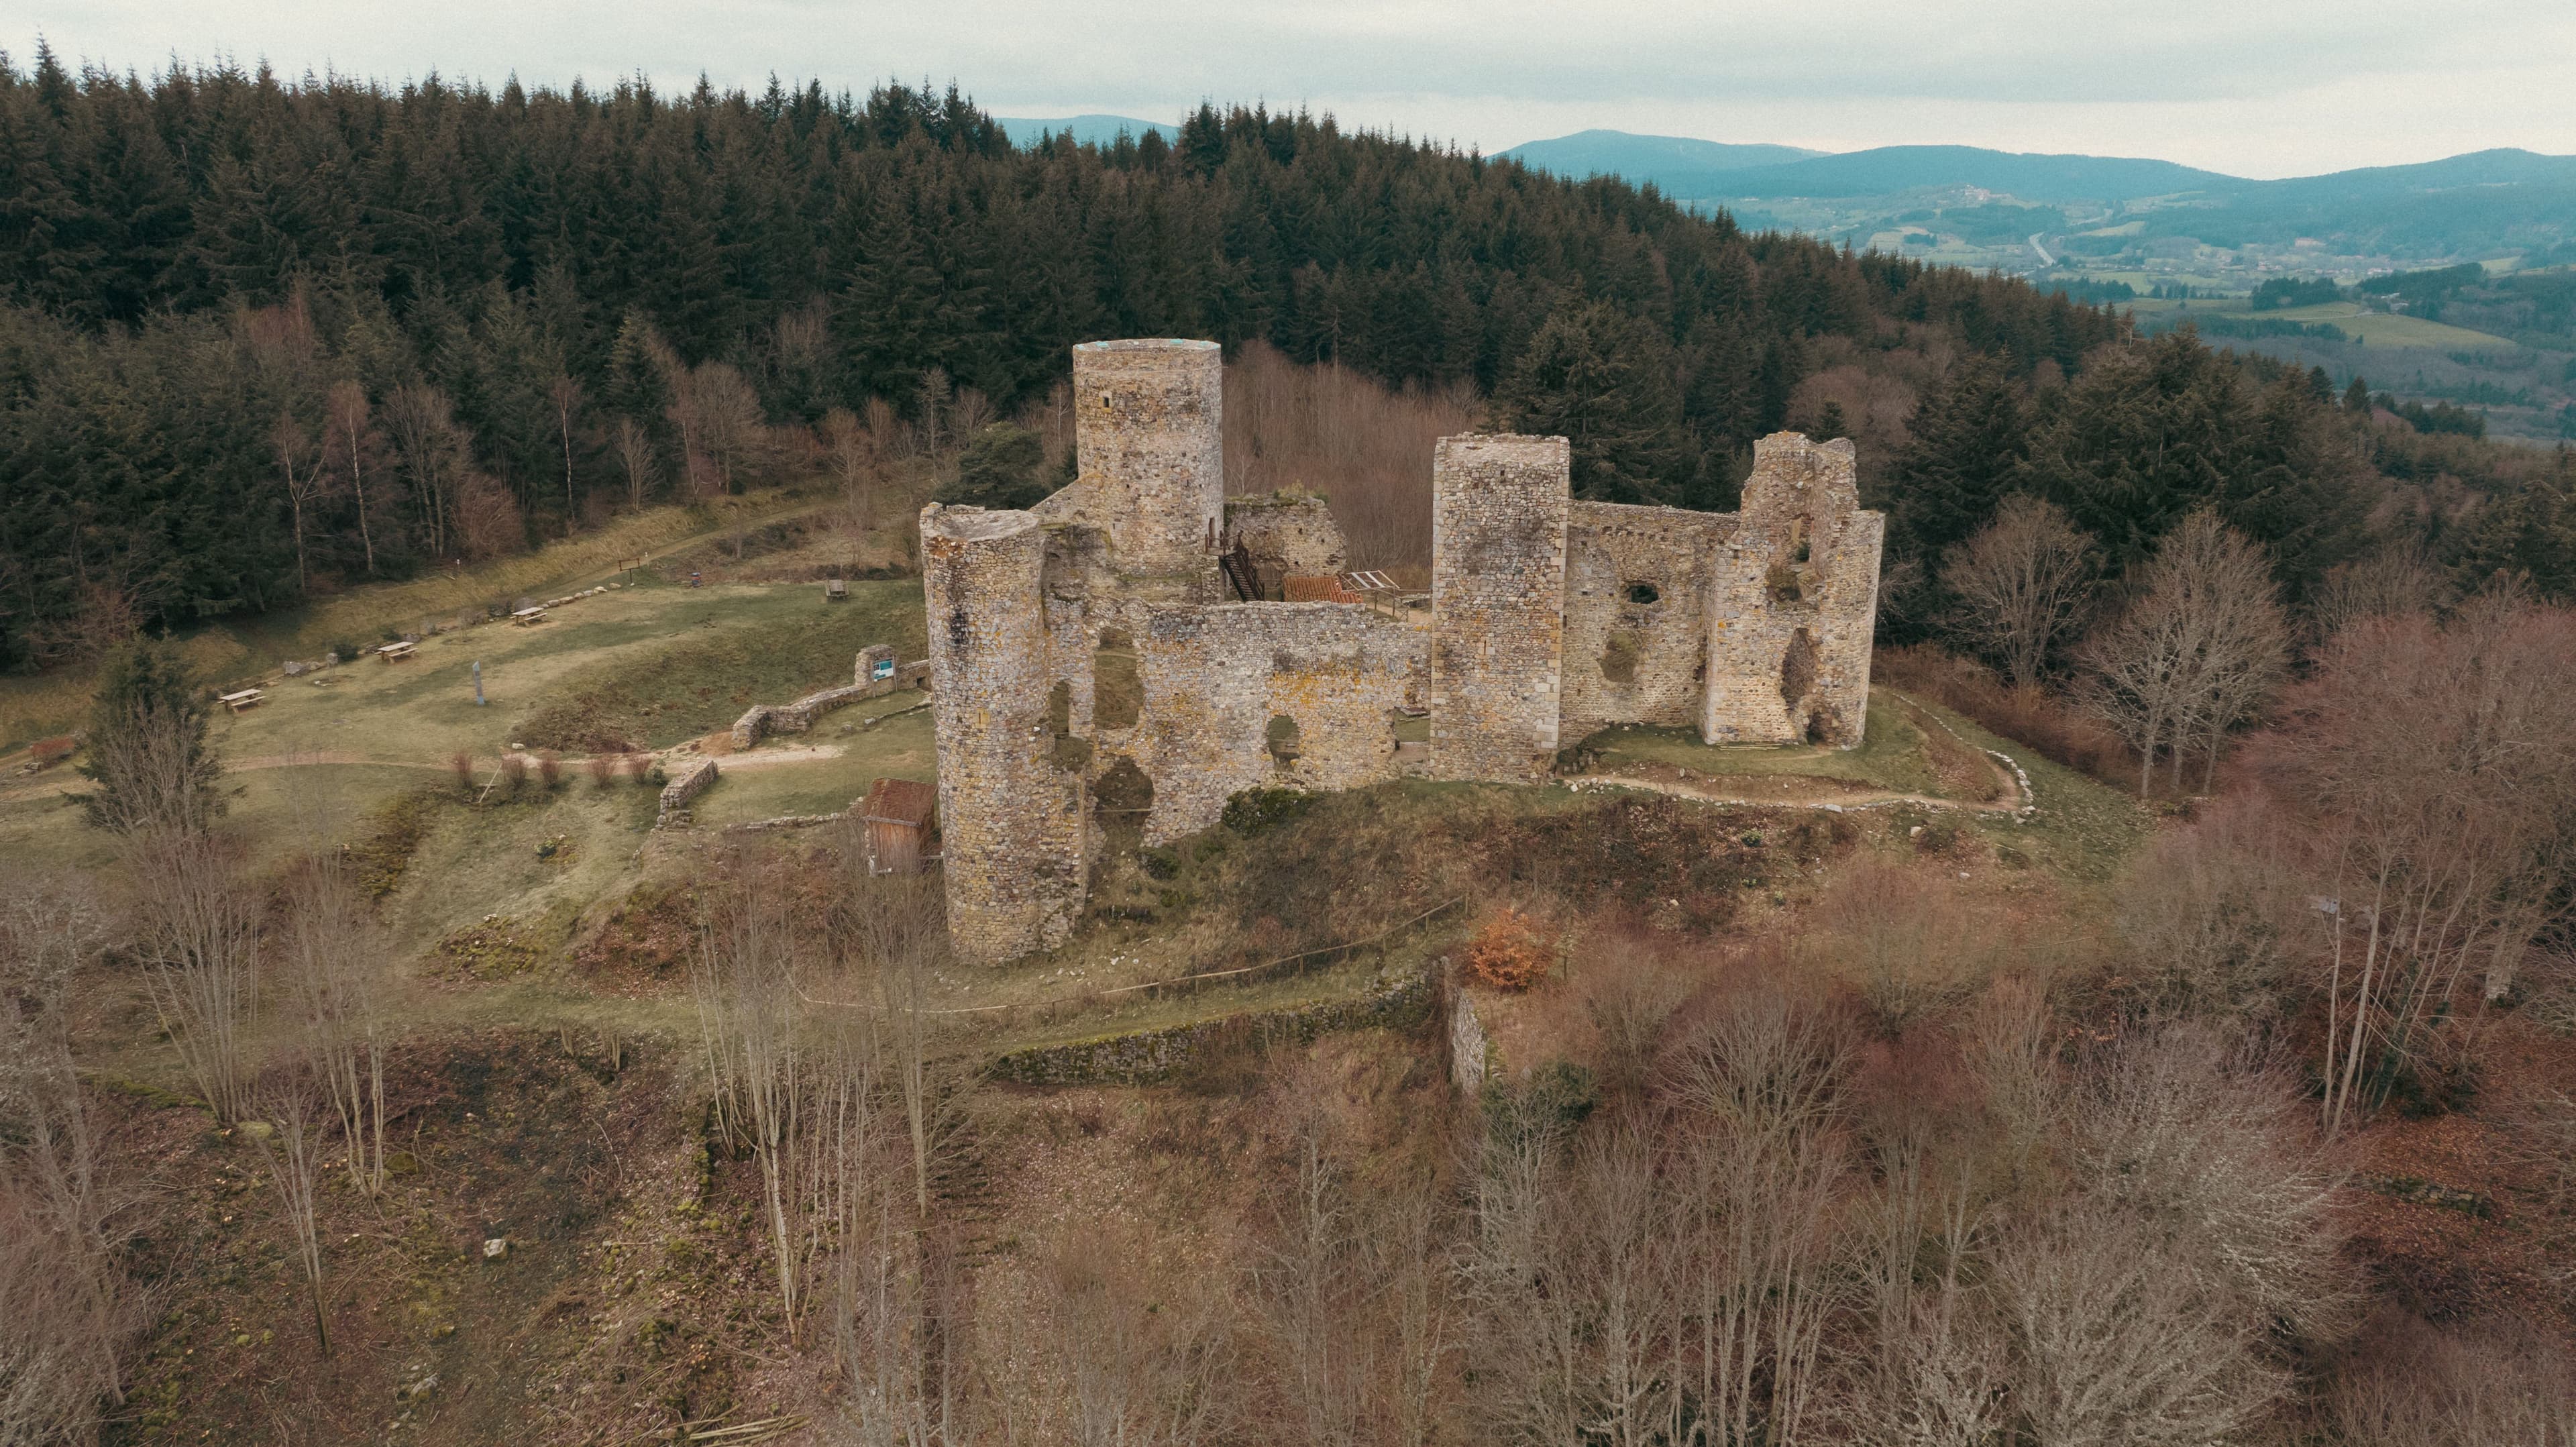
[
  {"x": 2478, "y": 205},
  {"x": 1088, "y": 130}
]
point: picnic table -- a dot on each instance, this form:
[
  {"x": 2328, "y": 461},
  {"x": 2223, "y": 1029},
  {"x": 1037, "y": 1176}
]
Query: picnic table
[
  {"x": 835, "y": 591},
  {"x": 526, "y": 616},
  {"x": 246, "y": 698},
  {"x": 396, "y": 652}
]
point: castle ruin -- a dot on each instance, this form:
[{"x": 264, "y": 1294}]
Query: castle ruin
[{"x": 1113, "y": 663}]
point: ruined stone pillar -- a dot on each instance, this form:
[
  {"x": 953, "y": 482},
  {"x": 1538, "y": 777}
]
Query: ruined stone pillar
[
  {"x": 1011, "y": 822},
  {"x": 1794, "y": 602},
  {"x": 1149, "y": 424},
  {"x": 1498, "y": 510}
]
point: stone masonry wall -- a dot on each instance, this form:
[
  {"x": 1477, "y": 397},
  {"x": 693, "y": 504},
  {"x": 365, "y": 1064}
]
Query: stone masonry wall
[
  {"x": 1498, "y": 531},
  {"x": 1214, "y": 678},
  {"x": 764, "y": 719},
  {"x": 695, "y": 780},
  {"x": 1012, "y": 822},
  {"x": 1662, "y": 647},
  {"x": 1286, "y": 536},
  {"x": 1149, "y": 421},
  {"x": 1777, "y": 621}
]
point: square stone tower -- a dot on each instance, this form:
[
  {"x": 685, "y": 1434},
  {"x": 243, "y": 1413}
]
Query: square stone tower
[
  {"x": 1149, "y": 427},
  {"x": 1498, "y": 506}
]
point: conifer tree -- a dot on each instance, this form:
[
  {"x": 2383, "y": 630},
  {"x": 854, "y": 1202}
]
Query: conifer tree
[
  {"x": 147, "y": 742},
  {"x": 1596, "y": 377}
]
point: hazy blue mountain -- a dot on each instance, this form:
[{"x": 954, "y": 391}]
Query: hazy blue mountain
[
  {"x": 1092, "y": 130},
  {"x": 1618, "y": 153},
  {"x": 1887, "y": 169},
  {"x": 2482, "y": 203}
]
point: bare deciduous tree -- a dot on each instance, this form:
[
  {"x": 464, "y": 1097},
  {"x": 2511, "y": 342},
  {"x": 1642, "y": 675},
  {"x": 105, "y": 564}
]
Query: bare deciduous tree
[
  {"x": 290, "y": 1145},
  {"x": 2011, "y": 1046},
  {"x": 2393, "y": 582},
  {"x": 901, "y": 1338},
  {"x": 66, "y": 1309},
  {"x": 852, "y": 452},
  {"x": 752, "y": 1020},
  {"x": 335, "y": 958},
  {"x": 432, "y": 449},
  {"x": 634, "y": 449},
  {"x": 2022, "y": 583},
  {"x": 198, "y": 936},
  {"x": 2205, "y": 917},
  {"x": 1763, "y": 1168},
  {"x": 2224, "y": 583},
  {"x": 1149, "y": 1364},
  {"x": 728, "y": 421},
  {"x": 899, "y": 932},
  {"x": 2213, "y": 1158},
  {"x": 2438, "y": 781},
  {"x": 566, "y": 396},
  {"x": 2204, "y": 643},
  {"x": 2493, "y": 1382},
  {"x": 2114, "y": 1348},
  {"x": 299, "y": 466}
]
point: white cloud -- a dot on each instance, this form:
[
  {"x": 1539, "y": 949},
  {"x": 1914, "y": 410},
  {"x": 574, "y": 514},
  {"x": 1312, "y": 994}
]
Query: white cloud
[{"x": 2283, "y": 87}]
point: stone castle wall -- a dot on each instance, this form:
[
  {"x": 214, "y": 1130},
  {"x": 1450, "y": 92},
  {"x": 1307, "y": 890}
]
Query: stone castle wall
[
  {"x": 1012, "y": 822},
  {"x": 1087, "y": 659},
  {"x": 1286, "y": 536},
  {"x": 1214, "y": 679},
  {"x": 1498, "y": 523},
  {"x": 1628, "y": 661}
]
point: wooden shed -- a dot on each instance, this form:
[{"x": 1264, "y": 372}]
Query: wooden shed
[{"x": 898, "y": 815}]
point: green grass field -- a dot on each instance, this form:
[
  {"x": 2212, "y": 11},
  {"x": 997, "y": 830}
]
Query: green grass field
[
  {"x": 250, "y": 648},
  {"x": 1892, "y": 755},
  {"x": 2380, "y": 329}
]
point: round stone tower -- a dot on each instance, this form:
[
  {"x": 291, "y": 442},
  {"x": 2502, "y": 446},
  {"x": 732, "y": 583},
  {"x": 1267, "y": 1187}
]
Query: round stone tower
[
  {"x": 1149, "y": 424},
  {"x": 1011, "y": 822}
]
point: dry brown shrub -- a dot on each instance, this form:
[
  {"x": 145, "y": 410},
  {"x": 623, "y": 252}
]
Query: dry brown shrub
[
  {"x": 1631, "y": 988},
  {"x": 1910, "y": 942},
  {"x": 601, "y": 768},
  {"x": 2028, "y": 713},
  {"x": 1512, "y": 952}
]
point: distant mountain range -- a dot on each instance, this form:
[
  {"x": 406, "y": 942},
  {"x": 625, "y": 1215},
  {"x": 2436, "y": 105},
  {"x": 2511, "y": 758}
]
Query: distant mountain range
[
  {"x": 2482, "y": 203},
  {"x": 1692, "y": 169}
]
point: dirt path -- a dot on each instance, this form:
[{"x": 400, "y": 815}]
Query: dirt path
[{"x": 2020, "y": 798}]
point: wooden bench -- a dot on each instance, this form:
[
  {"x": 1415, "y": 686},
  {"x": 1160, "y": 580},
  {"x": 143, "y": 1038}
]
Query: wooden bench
[
  {"x": 526, "y": 616},
  {"x": 836, "y": 591},
  {"x": 396, "y": 652},
  {"x": 247, "y": 698}
]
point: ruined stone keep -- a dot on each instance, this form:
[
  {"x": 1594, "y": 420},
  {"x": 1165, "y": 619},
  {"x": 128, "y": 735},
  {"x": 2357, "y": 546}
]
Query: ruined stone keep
[{"x": 1109, "y": 666}]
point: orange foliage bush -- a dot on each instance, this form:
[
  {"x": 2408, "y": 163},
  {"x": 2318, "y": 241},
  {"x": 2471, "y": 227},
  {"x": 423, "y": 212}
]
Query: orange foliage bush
[{"x": 1511, "y": 952}]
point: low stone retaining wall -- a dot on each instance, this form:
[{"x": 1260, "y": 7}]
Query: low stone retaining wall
[
  {"x": 677, "y": 793},
  {"x": 785, "y": 821},
  {"x": 795, "y": 718},
  {"x": 1149, "y": 1057}
]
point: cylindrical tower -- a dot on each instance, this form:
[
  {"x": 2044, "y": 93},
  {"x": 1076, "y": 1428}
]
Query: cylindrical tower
[
  {"x": 1149, "y": 423},
  {"x": 1011, "y": 822}
]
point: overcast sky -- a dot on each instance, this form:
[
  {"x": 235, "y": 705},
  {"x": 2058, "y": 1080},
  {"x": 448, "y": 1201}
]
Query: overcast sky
[{"x": 2253, "y": 87}]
